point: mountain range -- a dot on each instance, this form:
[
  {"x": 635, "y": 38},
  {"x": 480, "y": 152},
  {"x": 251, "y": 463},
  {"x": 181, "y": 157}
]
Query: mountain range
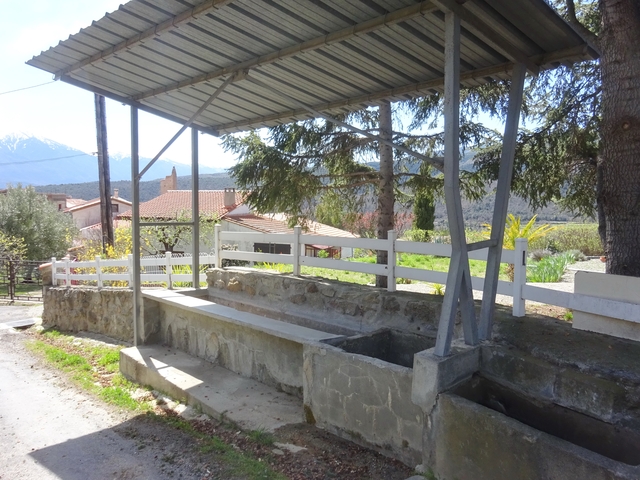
[{"x": 30, "y": 160}]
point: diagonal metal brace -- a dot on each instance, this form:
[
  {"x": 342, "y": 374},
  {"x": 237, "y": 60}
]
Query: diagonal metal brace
[{"x": 236, "y": 76}]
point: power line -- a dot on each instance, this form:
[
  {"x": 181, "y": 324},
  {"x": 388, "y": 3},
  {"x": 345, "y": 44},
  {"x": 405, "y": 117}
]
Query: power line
[
  {"x": 27, "y": 88},
  {"x": 45, "y": 159}
]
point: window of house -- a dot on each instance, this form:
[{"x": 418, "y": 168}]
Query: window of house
[{"x": 114, "y": 207}]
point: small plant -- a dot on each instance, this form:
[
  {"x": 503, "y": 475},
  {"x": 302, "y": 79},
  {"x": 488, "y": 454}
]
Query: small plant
[
  {"x": 417, "y": 235},
  {"x": 577, "y": 255},
  {"x": 568, "y": 316},
  {"x": 550, "y": 269},
  {"x": 438, "y": 289},
  {"x": 403, "y": 281},
  {"x": 323, "y": 254},
  {"x": 261, "y": 436}
]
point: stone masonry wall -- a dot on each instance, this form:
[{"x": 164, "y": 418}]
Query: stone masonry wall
[
  {"x": 363, "y": 399},
  {"x": 108, "y": 311},
  {"x": 340, "y": 307}
]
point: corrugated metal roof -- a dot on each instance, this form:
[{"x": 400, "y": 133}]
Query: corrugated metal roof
[{"x": 169, "y": 56}]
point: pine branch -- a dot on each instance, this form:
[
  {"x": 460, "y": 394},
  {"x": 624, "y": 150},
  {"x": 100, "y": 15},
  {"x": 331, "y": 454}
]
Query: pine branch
[{"x": 582, "y": 30}]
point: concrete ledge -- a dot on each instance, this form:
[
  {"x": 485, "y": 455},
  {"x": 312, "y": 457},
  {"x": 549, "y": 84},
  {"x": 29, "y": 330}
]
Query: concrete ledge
[
  {"x": 433, "y": 375},
  {"x": 216, "y": 390},
  {"x": 287, "y": 331}
]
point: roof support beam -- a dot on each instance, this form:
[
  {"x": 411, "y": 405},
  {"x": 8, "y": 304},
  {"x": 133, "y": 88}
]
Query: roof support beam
[
  {"x": 312, "y": 44},
  {"x": 459, "y": 277},
  {"x": 495, "y": 39},
  {"x": 416, "y": 89},
  {"x": 135, "y": 231},
  {"x": 165, "y": 26},
  {"x": 195, "y": 211},
  {"x": 501, "y": 202},
  {"x": 193, "y": 118},
  {"x": 132, "y": 103},
  {"x": 436, "y": 162}
]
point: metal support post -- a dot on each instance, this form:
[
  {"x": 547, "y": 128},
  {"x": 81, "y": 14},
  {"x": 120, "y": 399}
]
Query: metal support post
[
  {"x": 501, "y": 202},
  {"x": 135, "y": 227},
  {"x": 195, "y": 210},
  {"x": 459, "y": 278}
]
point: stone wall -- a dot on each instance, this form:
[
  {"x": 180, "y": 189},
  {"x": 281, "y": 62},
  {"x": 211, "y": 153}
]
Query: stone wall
[
  {"x": 108, "y": 311},
  {"x": 336, "y": 307},
  {"x": 363, "y": 399}
]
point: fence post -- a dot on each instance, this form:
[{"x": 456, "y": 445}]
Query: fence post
[
  {"x": 67, "y": 273},
  {"x": 54, "y": 282},
  {"x": 99, "y": 271},
  {"x": 391, "y": 261},
  {"x": 297, "y": 230},
  {"x": 217, "y": 247},
  {"x": 519, "y": 277},
  {"x": 169, "y": 270},
  {"x": 130, "y": 258}
]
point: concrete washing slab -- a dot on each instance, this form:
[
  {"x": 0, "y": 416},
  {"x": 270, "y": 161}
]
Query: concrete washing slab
[{"x": 217, "y": 391}]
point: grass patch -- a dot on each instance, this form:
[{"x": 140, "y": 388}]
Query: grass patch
[
  {"x": 95, "y": 369},
  {"x": 422, "y": 262},
  {"x": 550, "y": 269}
]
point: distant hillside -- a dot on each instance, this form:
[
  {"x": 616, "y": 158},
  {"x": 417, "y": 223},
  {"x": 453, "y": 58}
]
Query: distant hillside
[
  {"x": 148, "y": 190},
  {"x": 31, "y": 160}
]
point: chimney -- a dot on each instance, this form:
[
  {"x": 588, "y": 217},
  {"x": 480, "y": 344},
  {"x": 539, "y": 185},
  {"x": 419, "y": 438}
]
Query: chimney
[
  {"x": 229, "y": 197},
  {"x": 115, "y": 193}
]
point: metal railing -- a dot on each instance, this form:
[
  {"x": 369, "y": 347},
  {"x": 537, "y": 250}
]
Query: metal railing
[{"x": 20, "y": 279}]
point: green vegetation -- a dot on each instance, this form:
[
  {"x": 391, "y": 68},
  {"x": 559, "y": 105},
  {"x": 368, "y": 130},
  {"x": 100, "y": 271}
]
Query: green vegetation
[
  {"x": 550, "y": 269},
  {"x": 86, "y": 364},
  {"x": 95, "y": 369},
  {"x": 572, "y": 236},
  {"x": 29, "y": 218}
]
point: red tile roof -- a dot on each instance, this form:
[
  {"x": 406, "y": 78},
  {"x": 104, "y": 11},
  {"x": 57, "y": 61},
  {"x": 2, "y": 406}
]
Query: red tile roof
[
  {"x": 169, "y": 205},
  {"x": 276, "y": 223},
  {"x": 90, "y": 203}
]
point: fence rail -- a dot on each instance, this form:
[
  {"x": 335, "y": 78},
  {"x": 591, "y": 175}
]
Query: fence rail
[
  {"x": 162, "y": 270},
  {"x": 102, "y": 272},
  {"x": 20, "y": 279}
]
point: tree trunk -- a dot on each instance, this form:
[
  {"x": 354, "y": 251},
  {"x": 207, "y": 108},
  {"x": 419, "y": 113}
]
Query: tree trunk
[
  {"x": 385, "y": 189},
  {"x": 620, "y": 134}
]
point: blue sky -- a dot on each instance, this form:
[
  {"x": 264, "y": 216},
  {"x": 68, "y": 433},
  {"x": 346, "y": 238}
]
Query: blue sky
[{"x": 64, "y": 113}]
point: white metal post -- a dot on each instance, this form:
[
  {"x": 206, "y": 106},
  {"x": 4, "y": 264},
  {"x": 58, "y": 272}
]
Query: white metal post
[
  {"x": 195, "y": 211},
  {"x": 459, "y": 278},
  {"x": 217, "y": 246},
  {"x": 519, "y": 277},
  {"x": 168, "y": 269},
  {"x": 134, "y": 259},
  {"x": 505, "y": 174},
  {"x": 297, "y": 230},
  {"x": 99, "y": 271},
  {"x": 391, "y": 260}
]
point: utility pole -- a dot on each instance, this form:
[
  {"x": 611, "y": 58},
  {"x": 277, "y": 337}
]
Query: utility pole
[{"x": 104, "y": 175}]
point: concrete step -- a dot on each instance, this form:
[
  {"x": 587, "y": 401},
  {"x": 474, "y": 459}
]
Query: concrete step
[{"x": 216, "y": 390}]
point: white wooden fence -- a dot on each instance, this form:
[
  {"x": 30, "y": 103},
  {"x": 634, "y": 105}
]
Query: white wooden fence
[
  {"x": 103, "y": 270},
  {"x": 157, "y": 270}
]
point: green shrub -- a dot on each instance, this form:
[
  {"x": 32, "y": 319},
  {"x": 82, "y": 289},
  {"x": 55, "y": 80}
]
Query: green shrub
[
  {"x": 417, "y": 235},
  {"x": 549, "y": 269},
  {"x": 572, "y": 236}
]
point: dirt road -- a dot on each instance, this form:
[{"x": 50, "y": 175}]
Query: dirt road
[{"x": 50, "y": 430}]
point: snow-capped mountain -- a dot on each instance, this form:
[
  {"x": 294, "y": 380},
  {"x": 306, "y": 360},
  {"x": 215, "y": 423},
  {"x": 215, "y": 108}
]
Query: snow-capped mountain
[{"x": 30, "y": 160}]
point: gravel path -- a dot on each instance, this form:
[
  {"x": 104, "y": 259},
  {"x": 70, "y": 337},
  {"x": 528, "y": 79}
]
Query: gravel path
[{"x": 51, "y": 430}]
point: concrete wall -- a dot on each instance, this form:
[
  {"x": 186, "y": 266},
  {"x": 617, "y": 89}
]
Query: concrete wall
[
  {"x": 611, "y": 287},
  {"x": 108, "y": 311},
  {"x": 364, "y": 400},
  {"x": 249, "y": 352},
  {"x": 466, "y": 441},
  {"x": 340, "y": 307}
]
